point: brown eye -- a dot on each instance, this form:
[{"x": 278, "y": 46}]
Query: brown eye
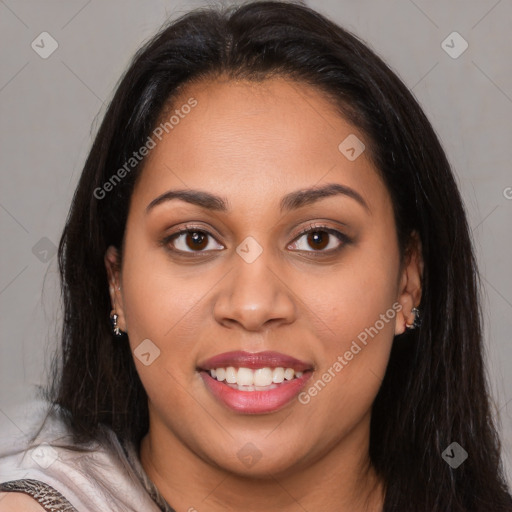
[
  {"x": 192, "y": 240},
  {"x": 318, "y": 238},
  {"x": 196, "y": 240}
]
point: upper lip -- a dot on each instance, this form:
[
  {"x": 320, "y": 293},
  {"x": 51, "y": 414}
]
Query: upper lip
[{"x": 254, "y": 360}]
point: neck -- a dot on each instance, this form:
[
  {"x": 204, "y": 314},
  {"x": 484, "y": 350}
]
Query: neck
[{"x": 340, "y": 480}]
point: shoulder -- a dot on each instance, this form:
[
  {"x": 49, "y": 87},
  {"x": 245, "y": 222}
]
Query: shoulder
[
  {"x": 27, "y": 493},
  {"x": 95, "y": 474},
  {"x": 18, "y": 502}
]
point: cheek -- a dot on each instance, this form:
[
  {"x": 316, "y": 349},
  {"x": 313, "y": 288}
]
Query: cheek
[
  {"x": 161, "y": 305},
  {"x": 163, "y": 308},
  {"x": 159, "y": 298},
  {"x": 354, "y": 297},
  {"x": 350, "y": 371},
  {"x": 355, "y": 328},
  {"x": 355, "y": 312}
]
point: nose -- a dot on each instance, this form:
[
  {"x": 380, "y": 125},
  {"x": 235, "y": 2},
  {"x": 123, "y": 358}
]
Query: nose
[{"x": 254, "y": 296}]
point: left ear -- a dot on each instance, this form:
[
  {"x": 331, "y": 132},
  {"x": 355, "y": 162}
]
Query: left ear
[{"x": 410, "y": 283}]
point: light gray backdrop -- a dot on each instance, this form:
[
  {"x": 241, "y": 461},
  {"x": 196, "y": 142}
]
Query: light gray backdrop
[{"x": 51, "y": 104}]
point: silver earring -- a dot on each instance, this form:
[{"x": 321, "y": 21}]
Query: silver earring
[
  {"x": 417, "y": 319},
  {"x": 115, "y": 327}
]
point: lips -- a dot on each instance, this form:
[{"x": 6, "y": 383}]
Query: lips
[
  {"x": 255, "y": 400},
  {"x": 254, "y": 361}
]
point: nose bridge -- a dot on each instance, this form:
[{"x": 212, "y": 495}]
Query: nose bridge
[{"x": 254, "y": 292}]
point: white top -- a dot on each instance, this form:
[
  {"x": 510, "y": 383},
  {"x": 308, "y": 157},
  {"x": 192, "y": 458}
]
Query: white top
[{"x": 104, "y": 475}]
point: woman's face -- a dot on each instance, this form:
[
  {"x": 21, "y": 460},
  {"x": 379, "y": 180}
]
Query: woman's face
[{"x": 250, "y": 158}]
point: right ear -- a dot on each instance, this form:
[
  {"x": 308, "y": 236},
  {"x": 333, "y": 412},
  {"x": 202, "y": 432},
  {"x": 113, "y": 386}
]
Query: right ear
[{"x": 113, "y": 266}]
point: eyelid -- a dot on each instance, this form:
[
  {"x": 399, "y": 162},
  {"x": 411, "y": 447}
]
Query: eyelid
[
  {"x": 342, "y": 238},
  {"x": 189, "y": 228}
]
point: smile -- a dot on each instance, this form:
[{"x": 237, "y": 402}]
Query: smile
[{"x": 254, "y": 383}]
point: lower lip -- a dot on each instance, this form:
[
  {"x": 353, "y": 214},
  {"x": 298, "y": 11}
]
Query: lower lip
[{"x": 255, "y": 402}]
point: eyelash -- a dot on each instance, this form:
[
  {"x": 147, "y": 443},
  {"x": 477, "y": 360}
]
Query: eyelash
[
  {"x": 312, "y": 228},
  {"x": 344, "y": 239}
]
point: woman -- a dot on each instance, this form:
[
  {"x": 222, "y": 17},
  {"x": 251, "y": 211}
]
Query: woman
[{"x": 274, "y": 228}]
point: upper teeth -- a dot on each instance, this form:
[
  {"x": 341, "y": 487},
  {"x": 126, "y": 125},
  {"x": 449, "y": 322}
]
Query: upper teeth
[{"x": 248, "y": 377}]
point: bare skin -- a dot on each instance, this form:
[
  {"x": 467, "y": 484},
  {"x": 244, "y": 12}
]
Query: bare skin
[
  {"x": 251, "y": 144},
  {"x": 17, "y": 501}
]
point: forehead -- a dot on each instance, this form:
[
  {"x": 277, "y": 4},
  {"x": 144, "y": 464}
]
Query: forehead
[{"x": 254, "y": 140}]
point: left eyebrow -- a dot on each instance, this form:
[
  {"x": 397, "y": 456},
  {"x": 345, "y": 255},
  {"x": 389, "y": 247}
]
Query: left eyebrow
[
  {"x": 291, "y": 201},
  {"x": 308, "y": 196}
]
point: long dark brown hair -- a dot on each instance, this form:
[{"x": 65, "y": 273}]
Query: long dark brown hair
[{"x": 435, "y": 390}]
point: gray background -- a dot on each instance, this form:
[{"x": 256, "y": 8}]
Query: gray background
[{"x": 50, "y": 109}]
